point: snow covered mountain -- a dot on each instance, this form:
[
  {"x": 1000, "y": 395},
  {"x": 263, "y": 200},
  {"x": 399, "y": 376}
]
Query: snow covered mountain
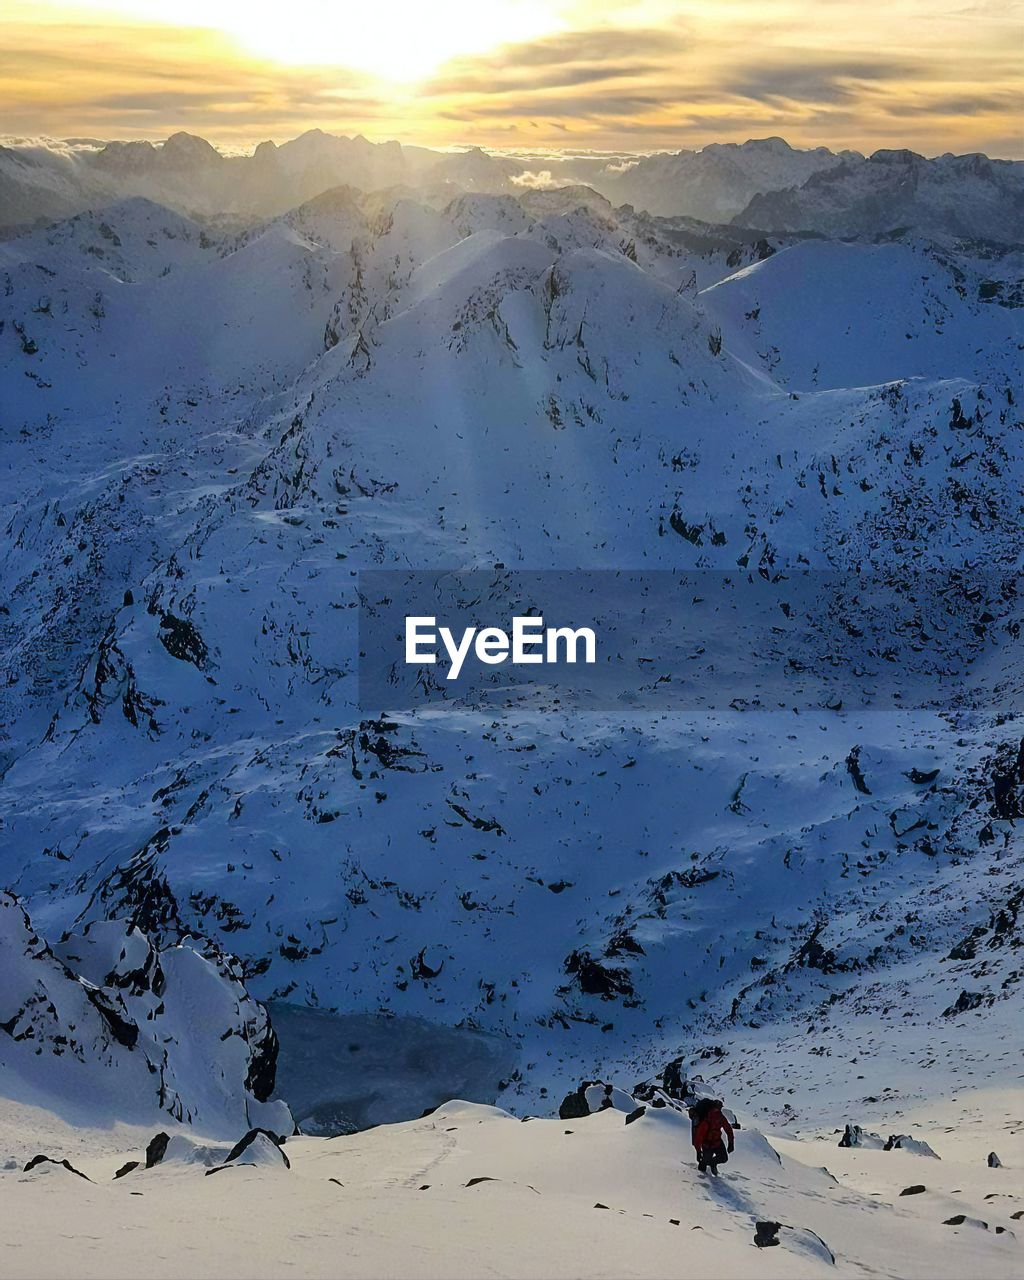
[
  {"x": 967, "y": 197},
  {"x": 211, "y": 433},
  {"x": 717, "y": 182}
]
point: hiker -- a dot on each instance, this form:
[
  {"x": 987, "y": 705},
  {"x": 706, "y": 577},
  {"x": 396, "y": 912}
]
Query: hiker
[{"x": 708, "y": 1127}]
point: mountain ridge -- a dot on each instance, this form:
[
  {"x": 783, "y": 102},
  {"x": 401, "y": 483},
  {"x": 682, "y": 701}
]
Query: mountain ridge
[{"x": 722, "y": 182}]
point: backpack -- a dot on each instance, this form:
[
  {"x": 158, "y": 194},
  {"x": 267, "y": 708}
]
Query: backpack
[{"x": 701, "y": 1108}]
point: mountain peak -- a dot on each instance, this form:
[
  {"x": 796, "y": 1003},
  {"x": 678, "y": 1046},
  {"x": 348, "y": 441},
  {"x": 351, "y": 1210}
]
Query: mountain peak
[
  {"x": 896, "y": 155},
  {"x": 189, "y": 148},
  {"x": 776, "y": 145}
]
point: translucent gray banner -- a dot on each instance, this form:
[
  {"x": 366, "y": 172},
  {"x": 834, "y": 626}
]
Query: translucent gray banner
[{"x": 694, "y": 640}]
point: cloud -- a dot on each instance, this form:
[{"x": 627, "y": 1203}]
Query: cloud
[
  {"x": 63, "y": 148},
  {"x": 537, "y": 181},
  {"x": 597, "y": 45},
  {"x": 584, "y": 106},
  {"x": 520, "y": 81},
  {"x": 808, "y": 80},
  {"x": 961, "y": 105},
  {"x": 560, "y": 61}
]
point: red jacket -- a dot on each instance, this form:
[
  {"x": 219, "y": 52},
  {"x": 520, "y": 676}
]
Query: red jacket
[{"x": 708, "y": 1132}]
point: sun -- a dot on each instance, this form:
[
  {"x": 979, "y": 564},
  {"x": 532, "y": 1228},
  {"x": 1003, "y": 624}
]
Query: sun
[
  {"x": 402, "y": 41},
  {"x": 391, "y": 40}
]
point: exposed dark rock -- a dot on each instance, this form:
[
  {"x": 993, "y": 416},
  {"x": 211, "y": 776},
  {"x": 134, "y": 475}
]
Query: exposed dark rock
[
  {"x": 478, "y": 824},
  {"x": 921, "y": 777},
  {"x": 157, "y": 1148},
  {"x": 126, "y": 1168},
  {"x": 63, "y": 1164},
  {"x": 597, "y": 979},
  {"x": 766, "y": 1234},
  {"x": 693, "y": 533},
  {"x": 856, "y": 773},
  {"x": 813, "y": 954},
  {"x": 967, "y": 948},
  {"x": 1008, "y": 784},
  {"x": 423, "y": 968},
  {"x": 904, "y": 1142},
  {"x": 373, "y": 741},
  {"x": 623, "y": 942},
  {"x": 182, "y": 641},
  {"x": 574, "y": 1105},
  {"x": 123, "y": 1031},
  {"x": 917, "y": 1189},
  {"x": 245, "y": 1143},
  {"x": 965, "y": 1002},
  {"x": 262, "y": 1074},
  {"x": 855, "y": 1136}
]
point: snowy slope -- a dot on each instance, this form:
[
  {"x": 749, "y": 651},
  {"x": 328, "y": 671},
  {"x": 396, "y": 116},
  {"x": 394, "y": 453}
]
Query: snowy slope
[
  {"x": 155, "y": 242},
  {"x": 469, "y": 1190},
  {"x": 907, "y": 311},
  {"x": 195, "y": 470}
]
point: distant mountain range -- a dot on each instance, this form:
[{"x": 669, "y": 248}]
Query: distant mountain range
[{"x": 763, "y": 183}]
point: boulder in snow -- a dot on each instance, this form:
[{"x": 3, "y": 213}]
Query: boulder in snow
[
  {"x": 259, "y": 1147},
  {"x": 913, "y": 1146},
  {"x": 855, "y": 1136},
  {"x": 594, "y": 1095},
  {"x": 46, "y": 1164}
]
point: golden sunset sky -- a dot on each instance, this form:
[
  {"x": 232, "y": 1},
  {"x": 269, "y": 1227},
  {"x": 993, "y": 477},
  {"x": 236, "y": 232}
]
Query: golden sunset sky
[{"x": 935, "y": 75}]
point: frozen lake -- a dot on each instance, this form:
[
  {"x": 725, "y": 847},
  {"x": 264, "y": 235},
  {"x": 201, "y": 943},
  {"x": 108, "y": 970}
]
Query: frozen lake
[{"x": 341, "y": 1072}]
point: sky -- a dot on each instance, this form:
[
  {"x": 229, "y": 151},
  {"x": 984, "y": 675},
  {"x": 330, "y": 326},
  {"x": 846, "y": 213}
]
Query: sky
[{"x": 934, "y": 75}]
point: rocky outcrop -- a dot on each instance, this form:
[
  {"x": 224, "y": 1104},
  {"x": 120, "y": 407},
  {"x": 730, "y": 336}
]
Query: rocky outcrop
[
  {"x": 592, "y": 1096},
  {"x": 1008, "y": 784},
  {"x": 109, "y": 1017},
  {"x": 913, "y": 1146},
  {"x": 855, "y": 1136},
  {"x": 45, "y": 1162},
  {"x": 768, "y": 1234},
  {"x": 259, "y": 1147}
]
